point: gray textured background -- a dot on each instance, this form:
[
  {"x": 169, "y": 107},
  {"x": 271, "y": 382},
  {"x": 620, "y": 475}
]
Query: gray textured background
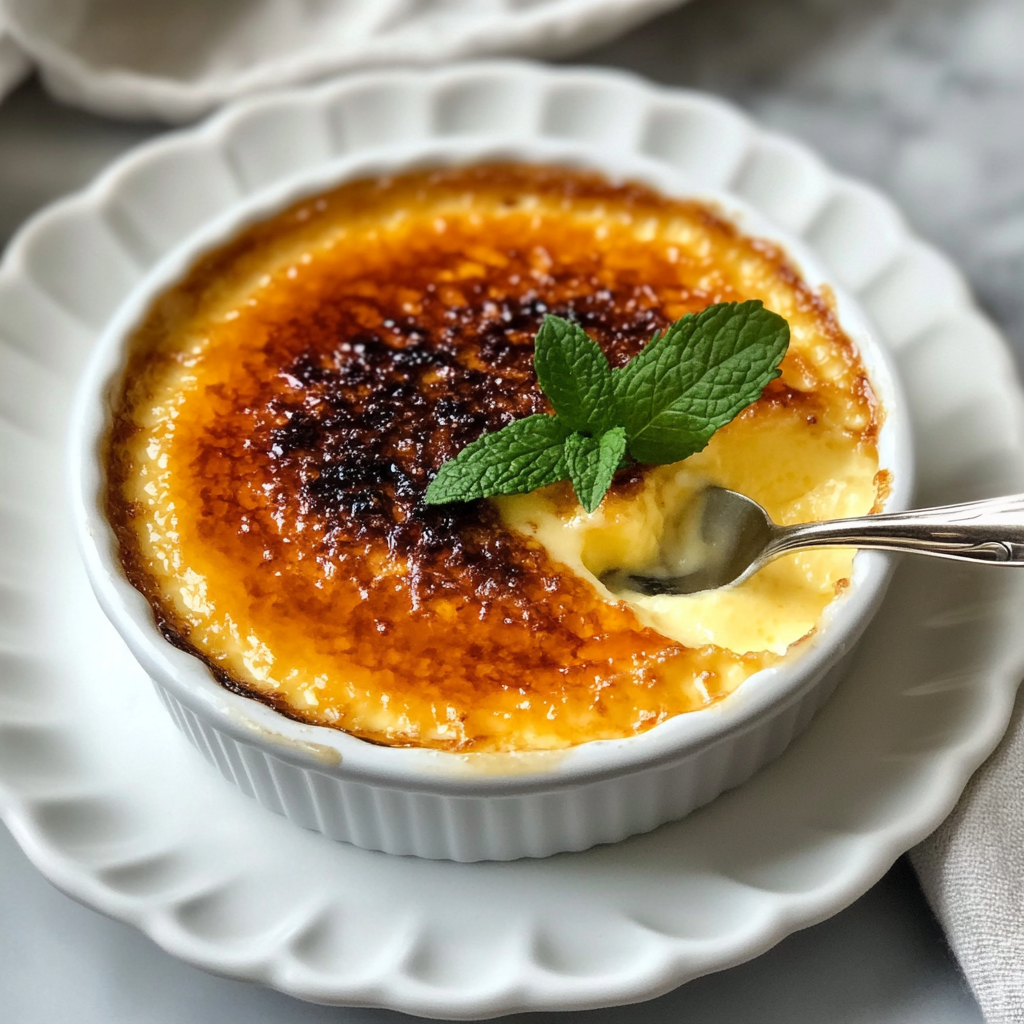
[{"x": 924, "y": 98}]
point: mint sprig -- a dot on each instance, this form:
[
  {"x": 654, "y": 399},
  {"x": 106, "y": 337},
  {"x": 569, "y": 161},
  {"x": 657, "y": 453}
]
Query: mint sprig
[
  {"x": 661, "y": 407},
  {"x": 521, "y": 457},
  {"x": 574, "y": 374},
  {"x": 591, "y": 463},
  {"x": 696, "y": 377}
]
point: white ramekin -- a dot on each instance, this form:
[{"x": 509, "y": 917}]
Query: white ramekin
[{"x": 475, "y": 807}]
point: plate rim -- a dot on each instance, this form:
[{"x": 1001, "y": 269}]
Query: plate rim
[{"x": 798, "y": 913}]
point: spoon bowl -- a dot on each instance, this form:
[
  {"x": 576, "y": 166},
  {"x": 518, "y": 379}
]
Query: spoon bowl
[{"x": 716, "y": 542}]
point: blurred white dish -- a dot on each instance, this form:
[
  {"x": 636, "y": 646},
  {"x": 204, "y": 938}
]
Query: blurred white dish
[
  {"x": 141, "y": 58},
  {"x": 140, "y": 828}
]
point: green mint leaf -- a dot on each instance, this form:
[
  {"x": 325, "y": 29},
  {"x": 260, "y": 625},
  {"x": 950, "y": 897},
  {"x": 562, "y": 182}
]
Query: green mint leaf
[
  {"x": 574, "y": 374},
  {"x": 592, "y": 462},
  {"x": 696, "y": 377},
  {"x": 662, "y": 407},
  {"x": 521, "y": 457}
]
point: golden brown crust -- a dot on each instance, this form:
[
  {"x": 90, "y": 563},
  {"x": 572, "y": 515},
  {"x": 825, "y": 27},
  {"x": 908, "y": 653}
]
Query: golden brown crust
[{"x": 353, "y": 379}]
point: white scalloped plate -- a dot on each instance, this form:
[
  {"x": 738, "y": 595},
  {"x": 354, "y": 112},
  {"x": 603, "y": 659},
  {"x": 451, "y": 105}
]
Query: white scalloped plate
[
  {"x": 176, "y": 61},
  {"x": 113, "y": 806}
]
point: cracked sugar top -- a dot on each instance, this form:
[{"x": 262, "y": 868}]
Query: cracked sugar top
[{"x": 285, "y": 405}]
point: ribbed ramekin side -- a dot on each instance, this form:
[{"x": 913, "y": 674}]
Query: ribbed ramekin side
[{"x": 487, "y": 827}]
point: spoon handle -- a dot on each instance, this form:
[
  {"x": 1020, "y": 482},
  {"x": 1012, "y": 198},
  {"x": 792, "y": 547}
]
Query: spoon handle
[{"x": 978, "y": 531}]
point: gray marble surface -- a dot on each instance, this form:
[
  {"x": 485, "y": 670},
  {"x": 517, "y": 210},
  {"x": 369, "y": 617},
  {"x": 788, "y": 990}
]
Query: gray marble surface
[{"x": 924, "y": 98}]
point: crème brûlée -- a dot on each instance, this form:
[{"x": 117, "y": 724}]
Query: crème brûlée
[{"x": 285, "y": 405}]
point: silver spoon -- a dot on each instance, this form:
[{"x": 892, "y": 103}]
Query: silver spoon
[{"x": 727, "y": 537}]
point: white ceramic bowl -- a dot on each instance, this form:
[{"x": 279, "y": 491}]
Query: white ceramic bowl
[
  {"x": 477, "y": 807},
  {"x": 177, "y": 61}
]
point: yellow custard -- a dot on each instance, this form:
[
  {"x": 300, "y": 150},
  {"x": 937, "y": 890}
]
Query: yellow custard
[
  {"x": 797, "y": 475},
  {"x": 287, "y": 403}
]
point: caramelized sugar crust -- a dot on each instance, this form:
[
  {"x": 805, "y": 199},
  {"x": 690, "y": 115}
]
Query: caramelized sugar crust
[{"x": 286, "y": 405}]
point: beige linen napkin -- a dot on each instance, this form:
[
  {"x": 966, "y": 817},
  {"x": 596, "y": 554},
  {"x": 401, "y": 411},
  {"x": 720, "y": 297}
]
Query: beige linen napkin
[{"x": 972, "y": 871}]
